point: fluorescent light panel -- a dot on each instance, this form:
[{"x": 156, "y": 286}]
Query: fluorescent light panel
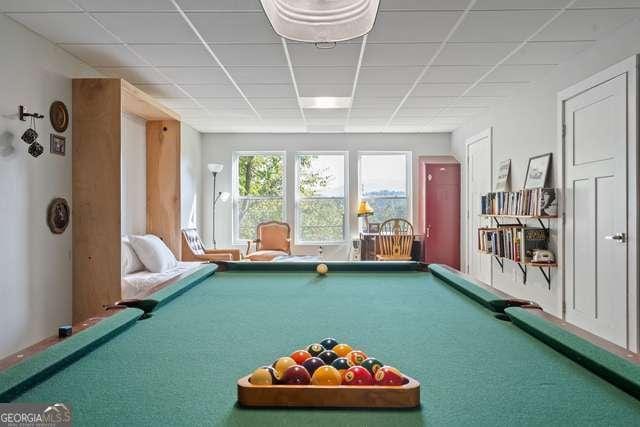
[{"x": 325, "y": 102}]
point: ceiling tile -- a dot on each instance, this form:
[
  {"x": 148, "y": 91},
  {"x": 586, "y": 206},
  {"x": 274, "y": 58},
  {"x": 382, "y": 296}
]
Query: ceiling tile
[
  {"x": 326, "y": 75},
  {"x": 418, "y": 102},
  {"x": 519, "y": 4},
  {"x": 496, "y": 89},
  {"x": 440, "y": 89},
  {"x": 104, "y": 55},
  {"x": 223, "y": 103},
  {"x": 319, "y": 89},
  {"x": 195, "y": 75},
  {"x": 474, "y": 53},
  {"x": 547, "y": 52},
  {"x": 242, "y": 27},
  {"x": 134, "y": 74},
  {"x": 211, "y": 91},
  {"x": 178, "y": 103},
  {"x": 37, "y": 6},
  {"x": 162, "y": 90},
  {"x": 478, "y": 101},
  {"x": 250, "y": 54},
  {"x": 174, "y": 55},
  {"x": 376, "y": 102},
  {"x": 604, "y": 4},
  {"x": 280, "y": 114},
  {"x": 500, "y": 26},
  {"x": 274, "y": 103},
  {"x": 519, "y": 73},
  {"x": 398, "y": 54},
  {"x": 268, "y": 91},
  {"x": 369, "y": 113},
  {"x": 423, "y": 4},
  {"x": 306, "y": 54},
  {"x": 328, "y": 115},
  {"x": 375, "y": 75},
  {"x": 126, "y": 5},
  {"x": 209, "y": 5},
  {"x": 148, "y": 27},
  {"x": 587, "y": 24},
  {"x": 260, "y": 75},
  {"x": 64, "y": 27},
  {"x": 413, "y": 26},
  {"x": 454, "y": 74},
  {"x": 389, "y": 90}
]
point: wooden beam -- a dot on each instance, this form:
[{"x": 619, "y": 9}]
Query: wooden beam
[
  {"x": 138, "y": 103},
  {"x": 163, "y": 182}
]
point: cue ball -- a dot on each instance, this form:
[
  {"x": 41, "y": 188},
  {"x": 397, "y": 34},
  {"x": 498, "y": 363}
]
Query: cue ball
[{"x": 322, "y": 269}]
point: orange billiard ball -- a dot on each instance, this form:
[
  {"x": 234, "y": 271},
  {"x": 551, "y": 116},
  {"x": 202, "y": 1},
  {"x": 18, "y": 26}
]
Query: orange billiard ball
[
  {"x": 326, "y": 375},
  {"x": 342, "y": 349},
  {"x": 356, "y": 357},
  {"x": 300, "y": 356}
]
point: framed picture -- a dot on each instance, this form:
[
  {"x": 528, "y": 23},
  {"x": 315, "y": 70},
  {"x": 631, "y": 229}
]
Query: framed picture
[
  {"x": 504, "y": 170},
  {"x": 58, "y": 215},
  {"x": 537, "y": 171},
  {"x": 374, "y": 227},
  {"x": 58, "y": 144}
]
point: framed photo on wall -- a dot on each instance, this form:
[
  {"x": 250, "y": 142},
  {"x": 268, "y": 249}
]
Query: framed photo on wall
[
  {"x": 504, "y": 169},
  {"x": 537, "y": 171}
]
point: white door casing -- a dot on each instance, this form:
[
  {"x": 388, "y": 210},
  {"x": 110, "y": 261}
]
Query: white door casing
[
  {"x": 478, "y": 183},
  {"x": 599, "y": 170}
]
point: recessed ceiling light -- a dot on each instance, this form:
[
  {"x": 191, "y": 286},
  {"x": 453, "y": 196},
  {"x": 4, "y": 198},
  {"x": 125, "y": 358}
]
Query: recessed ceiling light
[
  {"x": 321, "y": 20},
  {"x": 325, "y": 102}
]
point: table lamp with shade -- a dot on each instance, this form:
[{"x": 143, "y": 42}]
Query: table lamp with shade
[
  {"x": 223, "y": 196},
  {"x": 365, "y": 211}
]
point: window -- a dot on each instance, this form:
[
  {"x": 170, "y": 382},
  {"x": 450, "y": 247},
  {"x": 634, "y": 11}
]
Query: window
[
  {"x": 259, "y": 191},
  {"x": 385, "y": 183},
  {"x": 321, "y": 197}
]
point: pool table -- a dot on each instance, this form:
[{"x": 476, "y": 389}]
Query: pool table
[{"x": 481, "y": 359}]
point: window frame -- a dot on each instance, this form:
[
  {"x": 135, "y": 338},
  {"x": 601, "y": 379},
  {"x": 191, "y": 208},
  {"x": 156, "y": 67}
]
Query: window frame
[
  {"x": 235, "y": 190},
  {"x": 345, "y": 230},
  {"x": 408, "y": 177}
]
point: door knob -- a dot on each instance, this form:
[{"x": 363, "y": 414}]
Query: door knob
[
  {"x": 618, "y": 237},
  {"x": 428, "y": 230}
]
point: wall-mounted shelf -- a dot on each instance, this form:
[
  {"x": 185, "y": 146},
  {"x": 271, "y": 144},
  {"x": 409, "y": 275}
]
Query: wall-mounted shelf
[
  {"x": 523, "y": 265},
  {"x": 518, "y": 218}
]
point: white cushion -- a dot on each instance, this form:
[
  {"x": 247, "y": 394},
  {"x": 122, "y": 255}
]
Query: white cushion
[
  {"x": 153, "y": 253},
  {"x": 129, "y": 261}
]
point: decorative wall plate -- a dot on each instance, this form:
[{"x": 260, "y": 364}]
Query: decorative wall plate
[
  {"x": 58, "y": 215},
  {"x": 59, "y": 116}
]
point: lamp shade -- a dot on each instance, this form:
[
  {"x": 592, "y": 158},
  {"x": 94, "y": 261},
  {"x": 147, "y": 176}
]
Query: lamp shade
[
  {"x": 215, "y": 167},
  {"x": 224, "y": 196},
  {"x": 318, "y": 21},
  {"x": 364, "y": 209}
]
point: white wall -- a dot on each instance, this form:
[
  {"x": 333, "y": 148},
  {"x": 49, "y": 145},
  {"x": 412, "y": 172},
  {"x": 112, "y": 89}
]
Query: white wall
[
  {"x": 526, "y": 126},
  {"x": 190, "y": 177},
  {"x": 35, "y": 284},
  {"x": 134, "y": 175},
  {"x": 219, "y": 148}
]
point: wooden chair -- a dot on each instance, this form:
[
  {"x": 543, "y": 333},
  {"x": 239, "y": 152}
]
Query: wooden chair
[
  {"x": 273, "y": 239},
  {"x": 395, "y": 240},
  {"x": 194, "y": 250}
]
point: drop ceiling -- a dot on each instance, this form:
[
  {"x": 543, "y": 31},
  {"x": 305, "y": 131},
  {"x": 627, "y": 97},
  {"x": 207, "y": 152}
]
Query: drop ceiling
[{"x": 427, "y": 65}]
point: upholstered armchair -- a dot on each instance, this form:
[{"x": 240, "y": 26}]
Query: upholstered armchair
[
  {"x": 273, "y": 239},
  {"x": 194, "y": 250}
]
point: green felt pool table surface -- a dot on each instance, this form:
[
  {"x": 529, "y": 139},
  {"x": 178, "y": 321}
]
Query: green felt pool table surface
[{"x": 180, "y": 366}]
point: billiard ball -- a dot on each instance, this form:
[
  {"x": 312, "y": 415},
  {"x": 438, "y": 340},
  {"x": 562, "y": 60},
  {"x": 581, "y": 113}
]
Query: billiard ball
[
  {"x": 372, "y": 365},
  {"x": 357, "y": 375},
  {"x": 388, "y": 375},
  {"x": 342, "y": 349},
  {"x": 282, "y": 364},
  {"x": 265, "y": 375},
  {"x": 326, "y": 375},
  {"x": 315, "y": 349},
  {"x": 341, "y": 364},
  {"x": 329, "y": 343},
  {"x": 356, "y": 357},
  {"x": 296, "y": 375},
  {"x": 312, "y": 364},
  {"x": 300, "y": 356},
  {"x": 328, "y": 356},
  {"x": 322, "y": 269}
]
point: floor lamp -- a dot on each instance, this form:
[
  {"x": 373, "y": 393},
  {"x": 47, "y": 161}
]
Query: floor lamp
[{"x": 223, "y": 196}]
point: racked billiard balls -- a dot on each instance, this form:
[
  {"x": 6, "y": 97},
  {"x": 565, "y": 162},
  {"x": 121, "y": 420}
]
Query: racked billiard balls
[
  {"x": 372, "y": 365},
  {"x": 328, "y": 356},
  {"x": 300, "y": 356},
  {"x": 341, "y": 364},
  {"x": 342, "y": 349},
  {"x": 312, "y": 364},
  {"x": 356, "y": 357},
  {"x": 296, "y": 375},
  {"x": 315, "y": 349},
  {"x": 326, "y": 375},
  {"x": 282, "y": 364},
  {"x": 264, "y": 375},
  {"x": 357, "y": 375},
  {"x": 329, "y": 343},
  {"x": 390, "y": 376}
]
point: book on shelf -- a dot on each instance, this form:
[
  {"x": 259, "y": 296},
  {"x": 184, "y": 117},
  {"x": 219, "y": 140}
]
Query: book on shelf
[
  {"x": 531, "y": 202},
  {"x": 516, "y": 243}
]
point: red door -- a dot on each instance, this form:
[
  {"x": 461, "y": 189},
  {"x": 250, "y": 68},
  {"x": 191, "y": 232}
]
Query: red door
[{"x": 442, "y": 214}]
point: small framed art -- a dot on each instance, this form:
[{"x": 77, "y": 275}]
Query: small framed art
[
  {"x": 58, "y": 144},
  {"x": 537, "y": 171}
]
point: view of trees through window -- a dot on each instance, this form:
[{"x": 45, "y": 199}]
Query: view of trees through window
[
  {"x": 383, "y": 183},
  {"x": 321, "y": 194}
]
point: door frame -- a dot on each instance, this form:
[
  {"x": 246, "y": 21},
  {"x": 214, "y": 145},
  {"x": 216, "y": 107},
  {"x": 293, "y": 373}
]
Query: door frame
[
  {"x": 487, "y": 133},
  {"x": 629, "y": 67}
]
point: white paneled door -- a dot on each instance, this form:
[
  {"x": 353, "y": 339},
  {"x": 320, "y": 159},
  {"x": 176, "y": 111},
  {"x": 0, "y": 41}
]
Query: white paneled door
[
  {"x": 478, "y": 184},
  {"x": 595, "y": 169}
]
